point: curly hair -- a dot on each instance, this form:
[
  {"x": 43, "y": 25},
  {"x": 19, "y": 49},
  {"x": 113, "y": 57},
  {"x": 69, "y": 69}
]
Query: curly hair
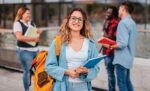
[
  {"x": 65, "y": 32},
  {"x": 114, "y": 11}
]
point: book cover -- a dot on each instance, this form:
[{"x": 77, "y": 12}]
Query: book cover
[
  {"x": 31, "y": 32},
  {"x": 93, "y": 61},
  {"x": 105, "y": 40}
]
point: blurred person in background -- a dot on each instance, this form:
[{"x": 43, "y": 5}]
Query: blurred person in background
[
  {"x": 125, "y": 47},
  {"x": 25, "y": 52},
  {"x": 109, "y": 31}
]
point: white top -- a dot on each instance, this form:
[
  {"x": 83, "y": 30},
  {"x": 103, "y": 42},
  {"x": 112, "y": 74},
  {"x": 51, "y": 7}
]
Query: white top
[
  {"x": 17, "y": 28},
  {"x": 17, "y": 25},
  {"x": 75, "y": 59}
]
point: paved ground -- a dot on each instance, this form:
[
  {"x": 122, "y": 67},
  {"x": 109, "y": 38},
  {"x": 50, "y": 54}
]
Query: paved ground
[{"x": 12, "y": 81}]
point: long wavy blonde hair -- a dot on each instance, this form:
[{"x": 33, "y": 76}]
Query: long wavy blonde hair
[
  {"x": 65, "y": 32},
  {"x": 20, "y": 12}
]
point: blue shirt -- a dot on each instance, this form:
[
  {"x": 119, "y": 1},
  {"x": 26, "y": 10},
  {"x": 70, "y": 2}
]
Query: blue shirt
[
  {"x": 57, "y": 71},
  {"x": 126, "y": 41}
]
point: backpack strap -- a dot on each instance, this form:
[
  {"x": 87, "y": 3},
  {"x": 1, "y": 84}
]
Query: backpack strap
[
  {"x": 44, "y": 52},
  {"x": 58, "y": 45},
  {"x": 37, "y": 60}
]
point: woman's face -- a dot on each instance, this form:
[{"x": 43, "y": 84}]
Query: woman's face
[
  {"x": 27, "y": 15},
  {"x": 76, "y": 21}
]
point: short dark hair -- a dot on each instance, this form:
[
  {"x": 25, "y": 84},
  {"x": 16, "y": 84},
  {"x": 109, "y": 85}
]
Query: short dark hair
[
  {"x": 114, "y": 11},
  {"x": 128, "y": 6}
]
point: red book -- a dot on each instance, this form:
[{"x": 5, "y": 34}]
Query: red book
[{"x": 105, "y": 40}]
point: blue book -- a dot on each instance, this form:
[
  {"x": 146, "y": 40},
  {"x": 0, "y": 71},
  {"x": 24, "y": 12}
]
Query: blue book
[{"x": 93, "y": 61}]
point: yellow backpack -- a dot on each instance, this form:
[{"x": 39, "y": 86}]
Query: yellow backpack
[{"x": 42, "y": 81}]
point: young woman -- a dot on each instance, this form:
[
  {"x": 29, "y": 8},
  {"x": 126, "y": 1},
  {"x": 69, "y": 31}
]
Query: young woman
[
  {"x": 25, "y": 52},
  {"x": 77, "y": 47}
]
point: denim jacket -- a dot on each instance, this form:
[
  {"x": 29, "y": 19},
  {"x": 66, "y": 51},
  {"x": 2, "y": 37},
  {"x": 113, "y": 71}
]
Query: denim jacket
[{"x": 57, "y": 71}]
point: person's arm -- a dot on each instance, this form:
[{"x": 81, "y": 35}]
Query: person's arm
[
  {"x": 19, "y": 36},
  {"x": 81, "y": 70},
  {"x": 122, "y": 36},
  {"x": 113, "y": 46},
  {"x": 105, "y": 45},
  {"x": 51, "y": 64},
  {"x": 72, "y": 73},
  {"x": 39, "y": 30}
]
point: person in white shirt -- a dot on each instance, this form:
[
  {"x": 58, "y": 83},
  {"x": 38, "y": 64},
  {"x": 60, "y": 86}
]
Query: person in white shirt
[
  {"x": 76, "y": 48},
  {"x": 25, "y": 51}
]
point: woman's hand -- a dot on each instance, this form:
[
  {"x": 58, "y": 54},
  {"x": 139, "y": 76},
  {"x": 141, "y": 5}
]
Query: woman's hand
[
  {"x": 71, "y": 73},
  {"x": 82, "y": 70}
]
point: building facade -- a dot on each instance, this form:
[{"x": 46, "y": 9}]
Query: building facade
[{"x": 49, "y": 13}]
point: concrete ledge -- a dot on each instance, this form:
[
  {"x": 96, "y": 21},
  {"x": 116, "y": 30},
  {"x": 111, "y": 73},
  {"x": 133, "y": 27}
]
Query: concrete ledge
[
  {"x": 140, "y": 75},
  {"x": 8, "y": 57}
]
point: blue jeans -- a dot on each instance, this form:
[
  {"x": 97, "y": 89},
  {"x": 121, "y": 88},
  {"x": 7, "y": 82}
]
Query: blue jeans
[
  {"x": 123, "y": 78},
  {"x": 26, "y": 58},
  {"x": 110, "y": 71},
  {"x": 77, "y": 86}
]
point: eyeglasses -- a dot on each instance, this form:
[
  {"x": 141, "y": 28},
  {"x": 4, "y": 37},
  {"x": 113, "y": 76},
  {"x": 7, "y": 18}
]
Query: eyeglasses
[{"x": 73, "y": 18}]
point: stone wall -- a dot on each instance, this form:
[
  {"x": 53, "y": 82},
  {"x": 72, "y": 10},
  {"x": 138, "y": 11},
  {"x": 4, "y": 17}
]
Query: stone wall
[{"x": 142, "y": 47}]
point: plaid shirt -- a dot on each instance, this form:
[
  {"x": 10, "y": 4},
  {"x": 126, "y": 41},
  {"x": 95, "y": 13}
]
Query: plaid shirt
[{"x": 109, "y": 28}]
